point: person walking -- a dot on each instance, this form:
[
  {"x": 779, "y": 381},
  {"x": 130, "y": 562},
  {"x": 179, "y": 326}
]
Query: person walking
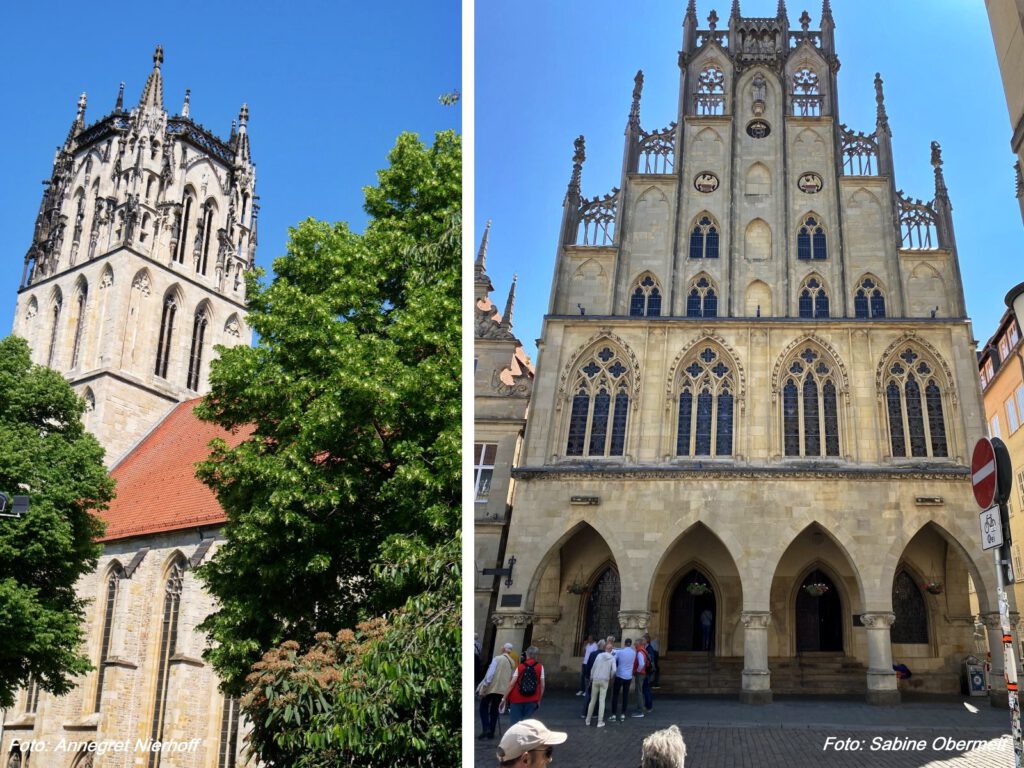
[
  {"x": 492, "y": 689},
  {"x": 526, "y": 688},
  {"x": 589, "y": 647},
  {"x": 528, "y": 744},
  {"x": 600, "y": 677},
  {"x": 624, "y": 659}
]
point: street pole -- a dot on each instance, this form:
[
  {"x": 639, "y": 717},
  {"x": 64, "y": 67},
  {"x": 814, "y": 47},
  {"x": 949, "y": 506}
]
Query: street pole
[{"x": 1009, "y": 660}]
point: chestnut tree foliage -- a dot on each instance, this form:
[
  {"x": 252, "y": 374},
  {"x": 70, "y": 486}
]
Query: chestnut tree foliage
[
  {"x": 339, "y": 573},
  {"x": 48, "y": 455}
]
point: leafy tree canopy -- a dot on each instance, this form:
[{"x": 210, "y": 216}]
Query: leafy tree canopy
[
  {"x": 48, "y": 455},
  {"x": 354, "y": 393}
]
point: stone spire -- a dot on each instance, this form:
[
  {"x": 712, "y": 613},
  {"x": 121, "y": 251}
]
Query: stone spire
[
  {"x": 690, "y": 28},
  {"x": 634, "y": 109},
  {"x": 153, "y": 92},
  {"x": 881, "y": 118},
  {"x": 940, "y": 181},
  {"x": 691, "y": 10},
  {"x": 119, "y": 105},
  {"x": 826, "y": 12},
  {"x": 185, "y": 106},
  {"x": 780, "y": 11},
  {"x": 735, "y": 12},
  {"x": 577, "y": 165},
  {"x": 506, "y": 318},
  {"x": 480, "y": 265}
]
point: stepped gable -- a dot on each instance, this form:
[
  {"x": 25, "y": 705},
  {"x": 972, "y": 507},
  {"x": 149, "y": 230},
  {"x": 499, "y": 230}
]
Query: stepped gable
[{"x": 157, "y": 490}]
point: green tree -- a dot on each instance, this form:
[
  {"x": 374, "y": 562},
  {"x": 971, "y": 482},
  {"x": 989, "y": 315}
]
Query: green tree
[
  {"x": 348, "y": 489},
  {"x": 48, "y": 455}
]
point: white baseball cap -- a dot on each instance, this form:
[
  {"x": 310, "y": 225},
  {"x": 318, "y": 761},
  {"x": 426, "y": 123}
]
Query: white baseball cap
[{"x": 527, "y": 735}]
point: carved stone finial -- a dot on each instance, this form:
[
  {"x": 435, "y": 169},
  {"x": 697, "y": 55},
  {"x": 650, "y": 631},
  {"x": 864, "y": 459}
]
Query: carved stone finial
[
  {"x": 158, "y": 56},
  {"x": 153, "y": 91},
  {"x": 243, "y": 116},
  {"x": 735, "y": 12},
  {"x": 940, "y": 181},
  {"x": 805, "y": 21},
  {"x": 120, "y": 98},
  {"x": 826, "y": 11},
  {"x": 638, "y": 88},
  {"x": 82, "y": 100},
  {"x": 881, "y": 118},
  {"x": 936, "y": 155},
  {"x": 691, "y": 10},
  {"x": 713, "y": 17},
  {"x": 780, "y": 12},
  {"x": 188, "y": 99},
  {"x": 577, "y": 164},
  {"x": 506, "y": 319}
]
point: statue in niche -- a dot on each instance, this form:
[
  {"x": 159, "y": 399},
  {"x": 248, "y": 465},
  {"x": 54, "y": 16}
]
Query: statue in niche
[{"x": 758, "y": 88}]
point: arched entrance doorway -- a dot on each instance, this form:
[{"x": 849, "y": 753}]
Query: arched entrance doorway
[
  {"x": 819, "y": 615},
  {"x": 692, "y": 606},
  {"x": 601, "y": 614}
]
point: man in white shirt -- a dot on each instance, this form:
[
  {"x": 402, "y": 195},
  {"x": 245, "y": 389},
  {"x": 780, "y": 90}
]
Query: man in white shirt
[
  {"x": 600, "y": 677},
  {"x": 624, "y": 659},
  {"x": 589, "y": 647}
]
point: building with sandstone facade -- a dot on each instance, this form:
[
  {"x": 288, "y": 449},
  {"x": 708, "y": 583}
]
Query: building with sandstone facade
[
  {"x": 135, "y": 271},
  {"x": 756, "y": 396}
]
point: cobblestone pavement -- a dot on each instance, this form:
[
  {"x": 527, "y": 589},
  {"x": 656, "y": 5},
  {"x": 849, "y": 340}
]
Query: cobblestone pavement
[{"x": 790, "y": 733}]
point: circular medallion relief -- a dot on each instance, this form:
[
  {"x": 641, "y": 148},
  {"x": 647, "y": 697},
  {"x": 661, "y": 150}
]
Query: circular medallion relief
[
  {"x": 810, "y": 183},
  {"x": 758, "y": 129},
  {"x": 705, "y": 182}
]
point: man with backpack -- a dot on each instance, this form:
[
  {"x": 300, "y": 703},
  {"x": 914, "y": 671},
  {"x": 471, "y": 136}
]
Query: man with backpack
[{"x": 526, "y": 687}]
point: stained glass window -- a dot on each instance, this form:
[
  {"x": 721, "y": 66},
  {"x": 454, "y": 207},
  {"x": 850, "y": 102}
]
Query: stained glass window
[
  {"x": 578, "y": 423},
  {"x": 936, "y": 422},
  {"x": 813, "y": 299},
  {"x": 646, "y": 298},
  {"x": 810, "y": 391},
  {"x": 895, "y": 406},
  {"x": 619, "y": 423},
  {"x": 723, "y": 441},
  {"x": 693, "y": 304},
  {"x": 810, "y": 240},
  {"x": 702, "y": 446},
  {"x": 812, "y": 442},
  {"x": 916, "y": 417},
  {"x": 704, "y": 239},
  {"x": 685, "y": 416},
  {"x": 702, "y": 301},
  {"x": 706, "y": 430},
  {"x": 601, "y": 378},
  {"x": 599, "y": 423}
]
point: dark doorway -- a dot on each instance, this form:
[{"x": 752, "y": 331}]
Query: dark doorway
[
  {"x": 819, "y": 617},
  {"x": 692, "y": 597},
  {"x": 602, "y": 613}
]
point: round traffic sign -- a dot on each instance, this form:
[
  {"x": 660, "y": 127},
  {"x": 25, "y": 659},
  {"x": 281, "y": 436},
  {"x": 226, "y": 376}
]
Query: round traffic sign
[{"x": 983, "y": 473}]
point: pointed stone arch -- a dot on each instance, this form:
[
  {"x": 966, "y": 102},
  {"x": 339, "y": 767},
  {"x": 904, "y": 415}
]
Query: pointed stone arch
[
  {"x": 912, "y": 339},
  {"x": 757, "y": 240},
  {"x": 824, "y": 346},
  {"x": 758, "y": 179},
  {"x": 604, "y": 336},
  {"x": 758, "y": 295},
  {"x": 233, "y": 327},
  {"x": 707, "y": 337}
]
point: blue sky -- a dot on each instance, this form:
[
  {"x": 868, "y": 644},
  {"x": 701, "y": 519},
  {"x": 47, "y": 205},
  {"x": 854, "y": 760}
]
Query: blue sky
[
  {"x": 547, "y": 72},
  {"x": 329, "y": 85}
]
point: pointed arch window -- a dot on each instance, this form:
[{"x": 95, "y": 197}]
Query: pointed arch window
[
  {"x": 54, "y": 328},
  {"x": 208, "y": 212},
  {"x": 913, "y": 399},
  {"x": 186, "y": 218},
  {"x": 911, "y": 625},
  {"x": 806, "y": 93},
  {"x": 195, "y": 358},
  {"x": 811, "y": 243},
  {"x": 80, "y": 304},
  {"x": 168, "y": 647},
  {"x": 702, "y": 301},
  {"x": 869, "y": 301},
  {"x": 31, "y": 696},
  {"x": 706, "y": 404},
  {"x": 704, "y": 238},
  {"x": 813, "y": 300},
  {"x": 110, "y": 600},
  {"x": 710, "y": 95},
  {"x": 645, "y": 301},
  {"x": 600, "y": 406},
  {"x": 163, "y": 347},
  {"x": 810, "y": 406}
]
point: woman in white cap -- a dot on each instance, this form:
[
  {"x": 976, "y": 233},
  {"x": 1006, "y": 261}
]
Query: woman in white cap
[{"x": 528, "y": 743}]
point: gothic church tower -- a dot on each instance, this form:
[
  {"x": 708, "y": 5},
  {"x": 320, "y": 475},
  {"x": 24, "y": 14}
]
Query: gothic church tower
[{"x": 135, "y": 270}]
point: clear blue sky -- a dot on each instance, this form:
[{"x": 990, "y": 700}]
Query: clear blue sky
[
  {"x": 329, "y": 85},
  {"x": 547, "y": 72}
]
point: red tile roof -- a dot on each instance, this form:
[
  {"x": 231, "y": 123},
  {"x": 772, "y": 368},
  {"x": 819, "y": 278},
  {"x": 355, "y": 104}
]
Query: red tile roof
[{"x": 157, "y": 490}]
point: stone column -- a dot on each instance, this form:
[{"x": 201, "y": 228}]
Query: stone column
[
  {"x": 510, "y": 628},
  {"x": 633, "y": 623},
  {"x": 882, "y": 688},
  {"x": 757, "y": 678},
  {"x": 997, "y": 696}
]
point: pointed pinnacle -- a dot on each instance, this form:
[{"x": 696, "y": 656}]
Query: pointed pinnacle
[
  {"x": 80, "y": 116},
  {"x": 481, "y": 254},
  {"x": 243, "y": 116},
  {"x": 735, "y": 8},
  {"x": 577, "y": 164},
  {"x": 188, "y": 99},
  {"x": 826, "y": 11},
  {"x": 881, "y": 118},
  {"x": 780, "y": 12},
  {"x": 506, "y": 318},
  {"x": 119, "y": 106},
  {"x": 940, "y": 181},
  {"x": 691, "y": 10},
  {"x": 158, "y": 56},
  {"x": 638, "y": 88}
]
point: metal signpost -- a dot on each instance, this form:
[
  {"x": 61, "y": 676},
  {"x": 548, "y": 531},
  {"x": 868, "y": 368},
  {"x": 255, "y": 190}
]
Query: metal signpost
[{"x": 992, "y": 479}]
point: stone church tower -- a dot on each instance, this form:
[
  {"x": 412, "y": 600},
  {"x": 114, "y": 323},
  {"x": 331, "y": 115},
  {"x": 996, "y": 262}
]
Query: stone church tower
[
  {"x": 136, "y": 265},
  {"x": 756, "y": 396}
]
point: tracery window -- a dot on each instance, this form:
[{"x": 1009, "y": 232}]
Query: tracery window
[
  {"x": 806, "y": 96},
  {"x": 163, "y": 347},
  {"x": 711, "y": 91},
  {"x": 83, "y": 297},
  {"x": 913, "y": 398},
  {"x": 54, "y": 328},
  {"x": 195, "y": 358},
  {"x": 813, "y": 300},
  {"x": 600, "y": 405},
  {"x": 702, "y": 301},
  {"x": 810, "y": 408},
  {"x": 869, "y": 301},
  {"x": 113, "y": 582},
  {"x": 810, "y": 240},
  {"x": 911, "y": 625},
  {"x": 706, "y": 405},
  {"x": 168, "y": 647},
  {"x": 645, "y": 301},
  {"x": 704, "y": 238}
]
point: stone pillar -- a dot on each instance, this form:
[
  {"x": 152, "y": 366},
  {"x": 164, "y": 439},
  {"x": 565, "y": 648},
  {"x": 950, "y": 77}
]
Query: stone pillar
[
  {"x": 510, "y": 628},
  {"x": 997, "y": 696},
  {"x": 633, "y": 623},
  {"x": 882, "y": 688},
  {"x": 757, "y": 678}
]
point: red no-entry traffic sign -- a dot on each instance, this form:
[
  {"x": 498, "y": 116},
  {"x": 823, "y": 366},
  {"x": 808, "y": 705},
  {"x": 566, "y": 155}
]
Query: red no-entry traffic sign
[{"x": 983, "y": 473}]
